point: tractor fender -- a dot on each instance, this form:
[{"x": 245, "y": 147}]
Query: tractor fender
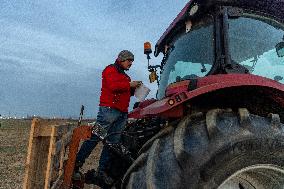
[{"x": 179, "y": 93}]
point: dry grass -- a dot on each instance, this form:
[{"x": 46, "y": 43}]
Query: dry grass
[{"x": 14, "y": 135}]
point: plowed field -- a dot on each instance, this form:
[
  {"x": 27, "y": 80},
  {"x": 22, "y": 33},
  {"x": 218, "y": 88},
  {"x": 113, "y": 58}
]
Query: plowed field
[{"x": 14, "y": 136}]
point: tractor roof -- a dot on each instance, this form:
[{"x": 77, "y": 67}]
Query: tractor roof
[{"x": 270, "y": 8}]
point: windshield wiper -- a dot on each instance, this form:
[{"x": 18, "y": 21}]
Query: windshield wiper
[
  {"x": 235, "y": 67},
  {"x": 203, "y": 69},
  {"x": 254, "y": 61}
]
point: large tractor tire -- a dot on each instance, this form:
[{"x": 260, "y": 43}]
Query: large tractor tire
[{"x": 222, "y": 149}]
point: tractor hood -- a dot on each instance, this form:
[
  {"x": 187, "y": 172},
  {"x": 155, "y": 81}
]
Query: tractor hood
[
  {"x": 178, "y": 93},
  {"x": 270, "y": 8}
]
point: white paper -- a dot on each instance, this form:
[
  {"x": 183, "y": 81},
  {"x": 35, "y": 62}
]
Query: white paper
[{"x": 141, "y": 92}]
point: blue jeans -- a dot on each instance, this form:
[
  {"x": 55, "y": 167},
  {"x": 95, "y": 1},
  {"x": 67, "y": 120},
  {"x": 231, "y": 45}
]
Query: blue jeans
[{"x": 113, "y": 121}]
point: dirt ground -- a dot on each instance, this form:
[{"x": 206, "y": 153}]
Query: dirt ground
[{"x": 14, "y": 136}]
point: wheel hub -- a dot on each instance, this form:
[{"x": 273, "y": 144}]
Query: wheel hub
[{"x": 256, "y": 177}]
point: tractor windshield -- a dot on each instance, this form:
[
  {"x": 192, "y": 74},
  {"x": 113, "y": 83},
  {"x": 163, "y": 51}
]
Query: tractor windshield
[
  {"x": 252, "y": 44},
  {"x": 190, "y": 56}
]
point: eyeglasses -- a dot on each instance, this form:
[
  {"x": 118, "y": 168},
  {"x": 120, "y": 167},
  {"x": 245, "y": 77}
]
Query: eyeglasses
[{"x": 130, "y": 60}]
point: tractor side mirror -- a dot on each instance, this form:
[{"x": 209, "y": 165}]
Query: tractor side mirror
[{"x": 280, "y": 49}]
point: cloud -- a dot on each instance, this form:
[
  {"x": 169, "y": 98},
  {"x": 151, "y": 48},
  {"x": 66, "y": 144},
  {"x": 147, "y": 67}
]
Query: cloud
[{"x": 27, "y": 43}]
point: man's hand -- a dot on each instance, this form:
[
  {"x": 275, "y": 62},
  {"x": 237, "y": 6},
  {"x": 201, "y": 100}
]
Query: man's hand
[{"x": 135, "y": 84}]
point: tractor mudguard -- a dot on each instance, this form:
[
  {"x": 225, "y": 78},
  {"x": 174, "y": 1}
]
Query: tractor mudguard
[{"x": 178, "y": 93}]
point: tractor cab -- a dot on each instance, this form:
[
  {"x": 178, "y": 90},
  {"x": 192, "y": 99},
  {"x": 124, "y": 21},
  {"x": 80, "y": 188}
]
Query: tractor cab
[
  {"x": 207, "y": 39},
  {"x": 219, "y": 54}
]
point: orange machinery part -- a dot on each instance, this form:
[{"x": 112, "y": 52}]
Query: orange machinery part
[{"x": 80, "y": 133}]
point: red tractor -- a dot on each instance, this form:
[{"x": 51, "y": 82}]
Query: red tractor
[{"x": 218, "y": 118}]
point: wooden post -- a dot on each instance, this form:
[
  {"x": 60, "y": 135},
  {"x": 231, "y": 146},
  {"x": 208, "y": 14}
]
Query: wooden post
[{"x": 42, "y": 151}]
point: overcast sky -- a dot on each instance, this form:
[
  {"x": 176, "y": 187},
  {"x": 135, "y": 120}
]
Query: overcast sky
[{"x": 52, "y": 52}]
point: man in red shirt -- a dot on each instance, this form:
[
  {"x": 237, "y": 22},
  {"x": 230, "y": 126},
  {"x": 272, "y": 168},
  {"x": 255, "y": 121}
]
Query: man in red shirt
[{"x": 116, "y": 90}]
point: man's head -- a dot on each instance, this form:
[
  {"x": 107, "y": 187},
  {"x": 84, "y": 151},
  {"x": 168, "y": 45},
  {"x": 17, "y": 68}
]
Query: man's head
[{"x": 125, "y": 59}]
